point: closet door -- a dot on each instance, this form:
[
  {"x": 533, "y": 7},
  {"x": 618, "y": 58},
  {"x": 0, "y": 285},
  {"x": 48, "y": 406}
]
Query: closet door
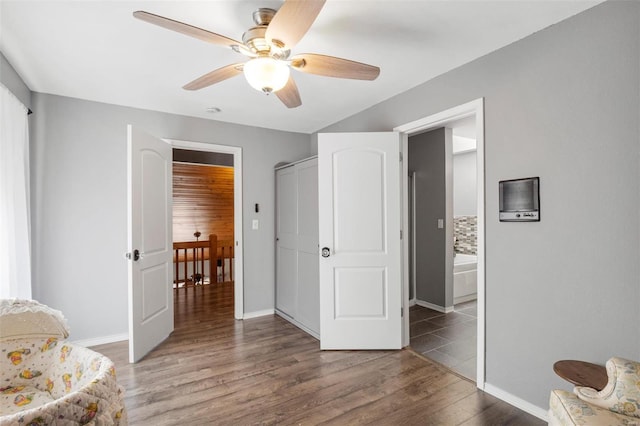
[
  {"x": 308, "y": 251},
  {"x": 286, "y": 241}
]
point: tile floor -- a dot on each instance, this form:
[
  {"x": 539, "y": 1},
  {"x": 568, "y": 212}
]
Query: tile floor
[{"x": 449, "y": 339}]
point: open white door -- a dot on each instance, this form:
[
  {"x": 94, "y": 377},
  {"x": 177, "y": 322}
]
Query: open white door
[
  {"x": 150, "y": 242},
  {"x": 359, "y": 223}
]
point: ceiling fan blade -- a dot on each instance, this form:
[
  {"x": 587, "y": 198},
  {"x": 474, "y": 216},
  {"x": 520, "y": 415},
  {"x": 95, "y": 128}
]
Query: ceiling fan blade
[
  {"x": 215, "y": 76},
  {"x": 330, "y": 66},
  {"x": 293, "y": 20},
  {"x": 186, "y": 29},
  {"x": 289, "y": 94}
]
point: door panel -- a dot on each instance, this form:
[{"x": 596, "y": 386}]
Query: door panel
[
  {"x": 287, "y": 288},
  {"x": 309, "y": 291},
  {"x": 360, "y": 280},
  {"x": 308, "y": 207},
  {"x": 154, "y": 298},
  {"x": 308, "y": 279},
  {"x": 359, "y": 200},
  {"x": 286, "y": 244},
  {"x": 360, "y": 293},
  {"x": 149, "y": 220}
]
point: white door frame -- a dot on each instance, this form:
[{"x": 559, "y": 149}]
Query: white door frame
[
  {"x": 237, "y": 212},
  {"x": 441, "y": 119}
]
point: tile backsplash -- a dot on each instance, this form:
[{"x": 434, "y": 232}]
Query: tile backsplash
[{"x": 465, "y": 230}]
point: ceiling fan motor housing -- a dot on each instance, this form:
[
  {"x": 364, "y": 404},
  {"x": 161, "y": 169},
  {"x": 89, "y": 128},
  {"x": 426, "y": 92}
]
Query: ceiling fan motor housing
[
  {"x": 254, "y": 38},
  {"x": 263, "y": 16}
]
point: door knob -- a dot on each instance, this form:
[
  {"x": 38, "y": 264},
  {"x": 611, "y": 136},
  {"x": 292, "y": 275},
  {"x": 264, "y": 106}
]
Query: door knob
[
  {"x": 326, "y": 252},
  {"x": 135, "y": 256}
]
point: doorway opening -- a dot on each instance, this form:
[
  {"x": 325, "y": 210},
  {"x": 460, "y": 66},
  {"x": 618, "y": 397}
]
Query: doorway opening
[
  {"x": 203, "y": 238},
  {"x": 442, "y": 245},
  {"x": 445, "y": 225},
  {"x": 210, "y": 230}
]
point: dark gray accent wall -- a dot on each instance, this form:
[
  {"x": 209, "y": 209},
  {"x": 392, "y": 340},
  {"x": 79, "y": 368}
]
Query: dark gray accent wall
[
  {"x": 427, "y": 159},
  {"x": 562, "y": 104},
  {"x": 79, "y": 204},
  {"x": 10, "y": 78}
]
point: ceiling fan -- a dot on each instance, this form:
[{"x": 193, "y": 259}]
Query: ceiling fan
[{"x": 268, "y": 45}]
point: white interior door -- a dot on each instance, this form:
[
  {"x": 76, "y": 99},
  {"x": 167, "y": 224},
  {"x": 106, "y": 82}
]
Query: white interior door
[
  {"x": 359, "y": 223},
  {"x": 150, "y": 242}
]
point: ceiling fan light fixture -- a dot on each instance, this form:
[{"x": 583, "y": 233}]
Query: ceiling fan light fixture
[{"x": 266, "y": 74}]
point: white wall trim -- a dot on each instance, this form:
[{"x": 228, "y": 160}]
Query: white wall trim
[
  {"x": 103, "y": 340},
  {"x": 414, "y": 272},
  {"x": 298, "y": 324},
  {"x": 404, "y": 255},
  {"x": 293, "y": 163},
  {"x": 441, "y": 119},
  {"x": 520, "y": 403},
  {"x": 443, "y": 309},
  {"x": 256, "y": 314},
  {"x": 237, "y": 208},
  {"x": 464, "y": 299}
]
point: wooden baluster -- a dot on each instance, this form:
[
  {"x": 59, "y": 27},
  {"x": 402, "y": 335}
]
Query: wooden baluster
[
  {"x": 201, "y": 265},
  {"x": 231, "y": 262},
  {"x": 222, "y": 257},
  {"x": 177, "y": 262},
  {"x": 213, "y": 261},
  {"x": 193, "y": 261},
  {"x": 185, "y": 267}
]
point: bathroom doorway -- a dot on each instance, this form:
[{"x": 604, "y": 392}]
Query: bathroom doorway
[{"x": 446, "y": 318}]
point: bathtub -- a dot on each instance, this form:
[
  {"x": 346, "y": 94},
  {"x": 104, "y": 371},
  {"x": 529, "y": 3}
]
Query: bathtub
[{"x": 465, "y": 278}]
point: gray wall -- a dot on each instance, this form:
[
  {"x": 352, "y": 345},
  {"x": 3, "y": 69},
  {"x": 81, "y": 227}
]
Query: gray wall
[
  {"x": 562, "y": 104},
  {"x": 426, "y": 158},
  {"x": 10, "y": 78},
  {"x": 465, "y": 200},
  {"x": 79, "y": 204}
]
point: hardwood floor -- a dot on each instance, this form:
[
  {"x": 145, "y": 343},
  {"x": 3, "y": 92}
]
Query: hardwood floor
[{"x": 215, "y": 370}]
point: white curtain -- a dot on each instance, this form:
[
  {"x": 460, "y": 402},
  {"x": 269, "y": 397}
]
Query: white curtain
[{"x": 15, "y": 243}]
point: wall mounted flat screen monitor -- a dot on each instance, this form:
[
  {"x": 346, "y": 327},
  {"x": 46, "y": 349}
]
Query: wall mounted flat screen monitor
[{"x": 520, "y": 200}]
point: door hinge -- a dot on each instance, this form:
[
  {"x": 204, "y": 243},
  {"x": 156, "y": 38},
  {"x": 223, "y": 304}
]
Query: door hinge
[
  {"x": 401, "y": 157},
  {"x": 401, "y": 312},
  {"x": 401, "y": 234}
]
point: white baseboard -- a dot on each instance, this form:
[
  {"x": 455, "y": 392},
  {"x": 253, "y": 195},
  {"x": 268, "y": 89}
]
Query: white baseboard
[
  {"x": 434, "y": 307},
  {"x": 520, "y": 403},
  {"x": 298, "y": 324},
  {"x": 101, "y": 340},
  {"x": 256, "y": 314},
  {"x": 463, "y": 299},
  {"x": 412, "y": 302}
]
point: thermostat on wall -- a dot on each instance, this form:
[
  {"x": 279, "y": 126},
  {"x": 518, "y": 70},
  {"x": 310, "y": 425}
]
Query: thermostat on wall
[{"x": 520, "y": 200}]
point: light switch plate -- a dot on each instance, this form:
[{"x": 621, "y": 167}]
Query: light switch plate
[
  {"x": 255, "y": 224},
  {"x": 440, "y": 223}
]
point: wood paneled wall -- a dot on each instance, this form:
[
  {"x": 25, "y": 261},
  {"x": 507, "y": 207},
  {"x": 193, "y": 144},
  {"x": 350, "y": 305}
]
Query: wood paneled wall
[{"x": 202, "y": 201}]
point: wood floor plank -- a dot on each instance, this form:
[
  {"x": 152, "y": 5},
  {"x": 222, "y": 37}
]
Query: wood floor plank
[{"x": 214, "y": 370}]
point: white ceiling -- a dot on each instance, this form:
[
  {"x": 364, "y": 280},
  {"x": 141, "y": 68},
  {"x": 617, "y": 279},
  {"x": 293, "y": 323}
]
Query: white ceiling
[{"x": 96, "y": 50}]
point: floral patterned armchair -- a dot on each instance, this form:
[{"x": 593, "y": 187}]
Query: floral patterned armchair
[
  {"x": 46, "y": 380},
  {"x": 617, "y": 404}
]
